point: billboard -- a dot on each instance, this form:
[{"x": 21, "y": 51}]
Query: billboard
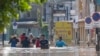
[{"x": 64, "y": 29}]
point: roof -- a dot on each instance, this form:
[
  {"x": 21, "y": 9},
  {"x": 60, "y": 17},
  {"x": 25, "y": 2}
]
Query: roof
[
  {"x": 27, "y": 19},
  {"x": 79, "y": 20}
]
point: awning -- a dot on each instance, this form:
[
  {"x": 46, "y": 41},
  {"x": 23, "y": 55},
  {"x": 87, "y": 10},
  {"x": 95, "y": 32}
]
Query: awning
[{"x": 27, "y": 24}]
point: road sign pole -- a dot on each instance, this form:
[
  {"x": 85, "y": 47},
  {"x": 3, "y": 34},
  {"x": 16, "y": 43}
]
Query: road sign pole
[
  {"x": 14, "y": 31},
  {"x": 3, "y": 36},
  {"x": 76, "y": 36},
  {"x": 96, "y": 39},
  {"x": 75, "y": 26},
  {"x": 88, "y": 36},
  {"x": 14, "y": 27},
  {"x": 96, "y": 18}
]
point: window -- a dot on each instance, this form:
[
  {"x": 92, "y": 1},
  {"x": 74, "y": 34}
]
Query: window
[
  {"x": 61, "y": 7},
  {"x": 28, "y": 14},
  {"x": 21, "y": 15},
  {"x": 56, "y": 19},
  {"x": 55, "y": 7},
  {"x": 61, "y": 19}
]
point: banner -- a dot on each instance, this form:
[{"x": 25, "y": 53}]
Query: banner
[{"x": 64, "y": 29}]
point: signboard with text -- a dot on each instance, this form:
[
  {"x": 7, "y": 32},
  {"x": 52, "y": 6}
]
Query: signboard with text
[{"x": 64, "y": 29}]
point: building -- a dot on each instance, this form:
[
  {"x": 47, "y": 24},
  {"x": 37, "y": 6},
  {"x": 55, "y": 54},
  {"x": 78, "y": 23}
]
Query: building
[
  {"x": 85, "y": 9},
  {"x": 97, "y": 5},
  {"x": 59, "y": 10},
  {"x": 27, "y": 23}
]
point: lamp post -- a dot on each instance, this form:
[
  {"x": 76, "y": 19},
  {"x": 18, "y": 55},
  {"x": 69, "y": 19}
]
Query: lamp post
[{"x": 51, "y": 24}]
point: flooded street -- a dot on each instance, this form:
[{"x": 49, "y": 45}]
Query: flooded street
[{"x": 69, "y": 51}]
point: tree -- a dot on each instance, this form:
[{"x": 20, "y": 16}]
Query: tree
[{"x": 9, "y": 10}]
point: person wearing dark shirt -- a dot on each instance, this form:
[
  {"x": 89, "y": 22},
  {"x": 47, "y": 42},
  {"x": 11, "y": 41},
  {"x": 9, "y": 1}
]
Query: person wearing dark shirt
[
  {"x": 13, "y": 41},
  {"x": 25, "y": 43},
  {"x": 44, "y": 43}
]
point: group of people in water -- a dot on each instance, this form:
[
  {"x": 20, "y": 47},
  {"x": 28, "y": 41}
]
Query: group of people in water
[{"x": 26, "y": 42}]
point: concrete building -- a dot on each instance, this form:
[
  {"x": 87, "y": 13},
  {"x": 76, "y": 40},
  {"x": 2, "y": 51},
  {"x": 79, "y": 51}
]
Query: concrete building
[
  {"x": 59, "y": 10},
  {"x": 85, "y": 9},
  {"x": 97, "y": 5},
  {"x": 27, "y": 22}
]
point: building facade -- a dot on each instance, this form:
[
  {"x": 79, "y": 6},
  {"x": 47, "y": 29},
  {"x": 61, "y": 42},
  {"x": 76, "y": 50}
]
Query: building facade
[
  {"x": 86, "y": 9},
  {"x": 59, "y": 11},
  {"x": 27, "y": 23}
]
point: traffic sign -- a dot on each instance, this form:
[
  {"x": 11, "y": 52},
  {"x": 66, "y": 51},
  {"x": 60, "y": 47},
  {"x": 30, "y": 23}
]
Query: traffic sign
[
  {"x": 96, "y": 16},
  {"x": 88, "y": 20},
  {"x": 96, "y": 19},
  {"x": 88, "y": 23},
  {"x": 14, "y": 25}
]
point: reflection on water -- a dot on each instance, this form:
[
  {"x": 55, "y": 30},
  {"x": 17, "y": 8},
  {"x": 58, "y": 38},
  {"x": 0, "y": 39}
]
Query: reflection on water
[{"x": 70, "y": 51}]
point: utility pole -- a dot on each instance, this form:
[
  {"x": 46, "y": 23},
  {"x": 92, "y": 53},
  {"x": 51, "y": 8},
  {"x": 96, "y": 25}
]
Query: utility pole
[
  {"x": 3, "y": 36},
  {"x": 51, "y": 24}
]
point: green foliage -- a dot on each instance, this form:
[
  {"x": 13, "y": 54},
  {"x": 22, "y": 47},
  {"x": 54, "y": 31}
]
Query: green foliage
[
  {"x": 9, "y": 10},
  {"x": 39, "y": 1},
  {"x": 39, "y": 18}
]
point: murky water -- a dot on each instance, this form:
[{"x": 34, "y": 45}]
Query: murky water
[{"x": 66, "y": 51}]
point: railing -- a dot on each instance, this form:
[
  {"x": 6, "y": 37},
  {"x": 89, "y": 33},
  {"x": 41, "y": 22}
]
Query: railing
[{"x": 53, "y": 51}]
